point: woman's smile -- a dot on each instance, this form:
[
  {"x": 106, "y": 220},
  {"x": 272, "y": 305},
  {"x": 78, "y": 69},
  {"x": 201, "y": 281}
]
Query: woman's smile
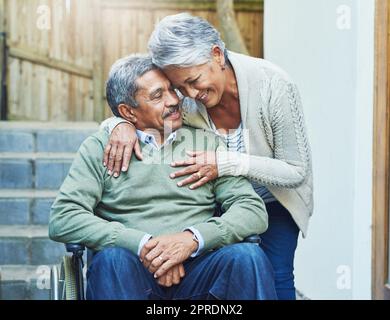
[{"x": 203, "y": 96}]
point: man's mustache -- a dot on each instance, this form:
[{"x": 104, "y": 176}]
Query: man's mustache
[{"x": 170, "y": 111}]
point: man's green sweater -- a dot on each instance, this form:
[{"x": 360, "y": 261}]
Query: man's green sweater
[{"x": 99, "y": 211}]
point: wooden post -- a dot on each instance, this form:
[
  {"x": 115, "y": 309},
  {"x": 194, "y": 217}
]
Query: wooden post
[
  {"x": 98, "y": 82},
  {"x": 381, "y": 157},
  {"x": 2, "y": 61},
  {"x": 229, "y": 27}
]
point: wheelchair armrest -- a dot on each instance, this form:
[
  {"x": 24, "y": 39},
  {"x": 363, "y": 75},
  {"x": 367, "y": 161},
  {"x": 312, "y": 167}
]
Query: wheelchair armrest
[
  {"x": 75, "y": 248},
  {"x": 254, "y": 238}
]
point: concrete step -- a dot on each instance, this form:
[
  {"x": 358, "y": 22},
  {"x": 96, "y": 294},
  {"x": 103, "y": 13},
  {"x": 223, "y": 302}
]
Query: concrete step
[
  {"x": 24, "y": 282},
  {"x": 44, "y": 136},
  {"x": 23, "y": 207},
  {"x": 35, "y": 157},
  {"x": 34, "y": 170},
  {"x": 28, "y": 245}
]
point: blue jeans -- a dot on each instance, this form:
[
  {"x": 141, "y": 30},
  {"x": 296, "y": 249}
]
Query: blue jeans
[
  {"x": 235, "y": 272},
  {"x": 279, "y": 243}
]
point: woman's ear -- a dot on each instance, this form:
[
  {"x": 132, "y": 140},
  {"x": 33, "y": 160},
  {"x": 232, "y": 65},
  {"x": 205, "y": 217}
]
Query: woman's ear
[
  {"x": 218, "y": 55},
  {"x": 127, "y": 113}
]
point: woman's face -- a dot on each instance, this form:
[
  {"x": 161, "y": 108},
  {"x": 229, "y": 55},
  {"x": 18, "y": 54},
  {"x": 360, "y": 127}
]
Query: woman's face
[{"x": 205, "y": 83}]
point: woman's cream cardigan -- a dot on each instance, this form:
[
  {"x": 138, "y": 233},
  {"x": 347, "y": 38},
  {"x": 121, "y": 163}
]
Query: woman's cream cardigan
[{"x": 277, "y": 150}]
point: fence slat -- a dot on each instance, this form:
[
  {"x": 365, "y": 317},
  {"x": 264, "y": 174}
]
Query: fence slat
[
  {"x": 179, "y": 5},
  {"x": 98, "y": 82},
  {"x": 2, "y": 61}
]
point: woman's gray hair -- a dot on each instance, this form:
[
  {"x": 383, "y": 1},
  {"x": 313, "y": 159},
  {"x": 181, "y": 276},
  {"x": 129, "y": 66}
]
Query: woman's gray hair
[
  {"x": 121, "y": 86},
  {"x": 182, "y": 40}
]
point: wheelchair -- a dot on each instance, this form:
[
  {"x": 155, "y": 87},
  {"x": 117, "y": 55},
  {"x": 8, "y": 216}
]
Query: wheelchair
[{"x": 67, "y": 280}]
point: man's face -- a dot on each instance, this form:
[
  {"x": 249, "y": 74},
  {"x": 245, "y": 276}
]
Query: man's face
[{"x": 158, "y": 103}]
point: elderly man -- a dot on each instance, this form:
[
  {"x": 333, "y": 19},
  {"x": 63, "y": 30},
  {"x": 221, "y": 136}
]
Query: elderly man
[{"x": 152, "y": 239}]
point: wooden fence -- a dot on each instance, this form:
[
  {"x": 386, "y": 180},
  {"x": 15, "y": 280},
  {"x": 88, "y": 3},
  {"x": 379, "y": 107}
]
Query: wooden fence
[{"x": 59, "y": 52}]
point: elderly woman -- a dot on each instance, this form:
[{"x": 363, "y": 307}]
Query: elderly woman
[{"x": 256, "y": 108}]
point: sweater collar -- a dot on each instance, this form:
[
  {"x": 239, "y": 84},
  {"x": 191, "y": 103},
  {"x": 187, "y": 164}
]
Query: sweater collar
[{"x": 242, "y": 82}]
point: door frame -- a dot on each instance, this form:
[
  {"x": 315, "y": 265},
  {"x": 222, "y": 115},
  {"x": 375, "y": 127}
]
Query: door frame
[{"x": 381, "y": 150}]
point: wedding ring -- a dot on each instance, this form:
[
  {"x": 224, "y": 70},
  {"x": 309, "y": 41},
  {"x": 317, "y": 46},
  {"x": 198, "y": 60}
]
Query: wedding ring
[
  {"x": 160, "y": 258},
  {"x": 199, "y": 175}
]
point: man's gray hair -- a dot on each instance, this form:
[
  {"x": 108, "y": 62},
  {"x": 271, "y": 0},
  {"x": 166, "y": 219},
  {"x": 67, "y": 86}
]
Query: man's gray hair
[
  {"x": 182, "y": 40},
  {"x": 121, "y": 85}
]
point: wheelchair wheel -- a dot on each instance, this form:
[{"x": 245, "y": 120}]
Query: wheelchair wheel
[
  {"x": 70, "y": 279},
  {"x": 63, "y": 281}
]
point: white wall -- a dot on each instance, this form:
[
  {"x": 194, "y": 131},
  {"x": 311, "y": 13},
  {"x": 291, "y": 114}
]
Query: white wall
[{"x": 333, "y": 68}]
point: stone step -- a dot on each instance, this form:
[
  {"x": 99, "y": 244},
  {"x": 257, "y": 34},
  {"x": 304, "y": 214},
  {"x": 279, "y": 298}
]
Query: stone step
[
  {"x": 36, "y": 155},
  {"x": 34, "y": 170},
  {"x": 23, "y": 207},
  {"x": 28, "y": 245},
  {"x": 24, "y": 282},
  {"x": 44, "y": 136}
]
